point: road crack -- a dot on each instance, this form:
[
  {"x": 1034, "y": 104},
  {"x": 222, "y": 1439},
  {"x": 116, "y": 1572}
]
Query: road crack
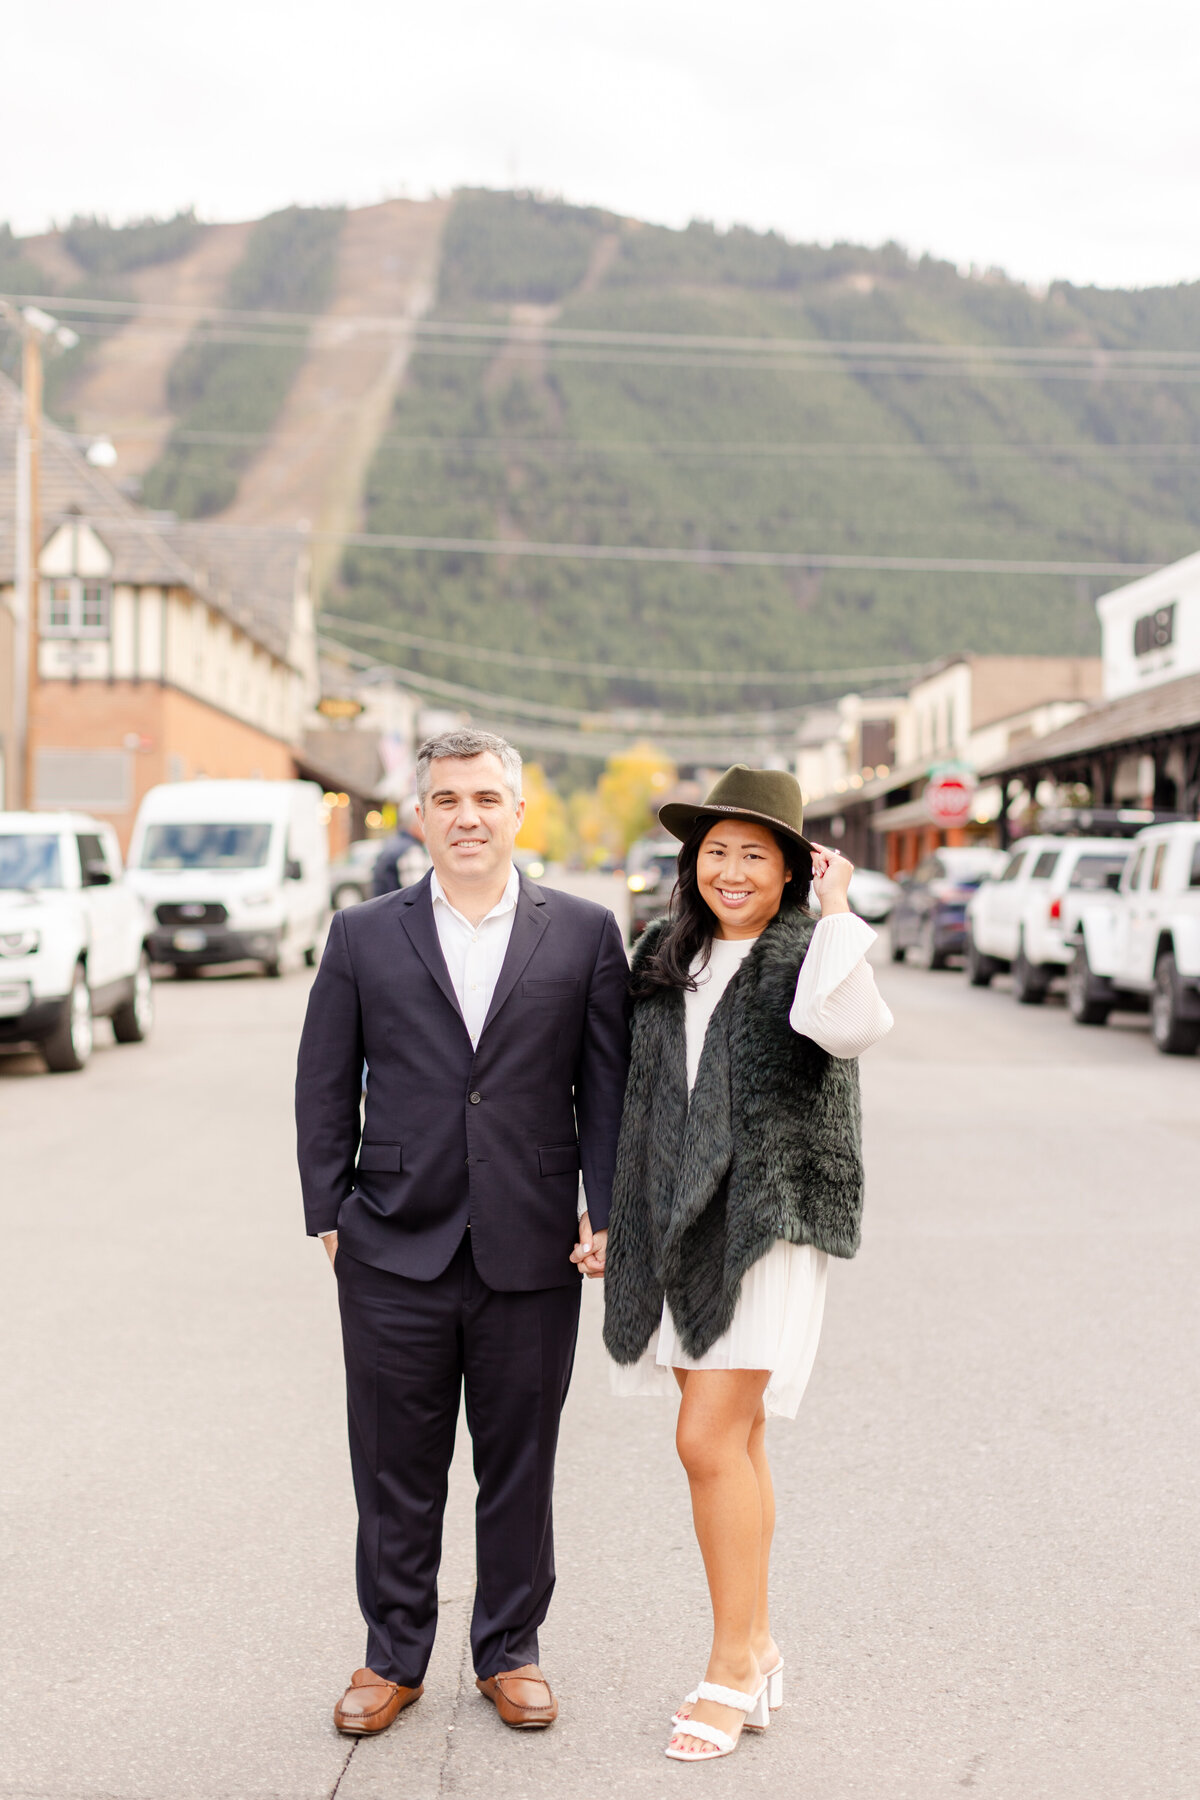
[
  {"x": 446, "y": 1782},
  {"x": 342, "y": 1772}
]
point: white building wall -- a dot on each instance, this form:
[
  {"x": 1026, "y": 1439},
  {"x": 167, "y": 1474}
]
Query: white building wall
[
  {"x": 1126, "y": 668},
  {"x": 936, "y": 724},
  {"x": 123, "y": 627}
]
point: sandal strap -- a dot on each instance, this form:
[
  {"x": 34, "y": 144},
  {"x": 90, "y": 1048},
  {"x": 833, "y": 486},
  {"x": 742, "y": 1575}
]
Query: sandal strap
[
  {"x": 723, "y": 1696},
  {"x": 709, "y": 1734}
]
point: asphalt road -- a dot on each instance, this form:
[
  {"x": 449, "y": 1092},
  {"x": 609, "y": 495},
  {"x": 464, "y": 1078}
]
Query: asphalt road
[{"x": 986, "y": 1566}]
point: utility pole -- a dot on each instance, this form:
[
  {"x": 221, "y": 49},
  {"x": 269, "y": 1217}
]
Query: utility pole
[{"x": 35, "y": 328}]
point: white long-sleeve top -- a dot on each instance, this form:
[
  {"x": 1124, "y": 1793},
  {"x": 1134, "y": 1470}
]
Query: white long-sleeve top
[{"x": 836, "y": 1002}]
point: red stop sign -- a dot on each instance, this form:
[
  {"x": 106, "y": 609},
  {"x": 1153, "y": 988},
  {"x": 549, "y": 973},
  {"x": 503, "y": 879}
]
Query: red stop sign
[{"x": 948, "y": 796}]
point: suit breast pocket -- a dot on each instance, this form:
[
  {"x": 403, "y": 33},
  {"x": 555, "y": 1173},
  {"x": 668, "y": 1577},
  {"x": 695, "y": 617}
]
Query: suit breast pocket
[
  {"x": 386, "y": 1159},
  {"x": 565, "y": 989}
]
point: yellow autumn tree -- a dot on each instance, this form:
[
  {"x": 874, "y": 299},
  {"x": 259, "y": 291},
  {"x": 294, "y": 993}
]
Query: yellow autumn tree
[
  {"x": 621, "y": 806},
  {"x": 544, "y": 829}
]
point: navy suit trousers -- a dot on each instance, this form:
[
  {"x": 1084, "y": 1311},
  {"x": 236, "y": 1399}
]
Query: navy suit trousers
[{"x": 411, "y": 1347}]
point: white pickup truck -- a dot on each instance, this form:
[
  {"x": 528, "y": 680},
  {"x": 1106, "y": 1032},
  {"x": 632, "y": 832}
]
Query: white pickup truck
[
  {"x": 1140, "y": 946},
  {"x": 72, "y": 938},
  {"x": 1024, "y": 918}
]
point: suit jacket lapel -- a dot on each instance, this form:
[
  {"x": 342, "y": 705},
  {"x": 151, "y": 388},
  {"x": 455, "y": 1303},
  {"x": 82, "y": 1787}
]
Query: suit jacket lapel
[
  {"x": 416, "y": 916},
  {"x": 527, "y": 930}
]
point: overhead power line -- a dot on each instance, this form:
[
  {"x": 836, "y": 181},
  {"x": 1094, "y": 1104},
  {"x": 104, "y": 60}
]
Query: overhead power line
[
  {"x": 509, "y": 446},
  {"x": 659, "y": 349},
  {"x": 691, "y": 741},
  {"x": 804, "y": 359},
  {"x": 645, "y": 553},
  {"x": 633, "y": 720},
  {"x": 505, "y": 331},
  {"x": 511, "y": 659}
]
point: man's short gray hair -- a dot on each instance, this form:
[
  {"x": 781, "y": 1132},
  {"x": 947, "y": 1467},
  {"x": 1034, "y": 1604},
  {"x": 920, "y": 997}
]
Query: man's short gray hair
[{"x": 467, "y": 742}]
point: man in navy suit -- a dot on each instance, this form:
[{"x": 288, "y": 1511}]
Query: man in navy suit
[{"x": 492, "y": 1017}]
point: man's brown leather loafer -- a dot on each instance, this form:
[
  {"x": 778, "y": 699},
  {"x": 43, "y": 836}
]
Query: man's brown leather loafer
[
  {"x": 522, "y": 1697},
  {"x": 370, "y": 1703}
]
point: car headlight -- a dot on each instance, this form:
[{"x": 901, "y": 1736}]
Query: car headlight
[
  {"x": 637, "y": 884},
  {"x": 19, "y": 943},
  {"x": 257, "y": 899}
]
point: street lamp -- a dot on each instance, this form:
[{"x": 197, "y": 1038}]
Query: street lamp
[{"x": 38, "y": 330}]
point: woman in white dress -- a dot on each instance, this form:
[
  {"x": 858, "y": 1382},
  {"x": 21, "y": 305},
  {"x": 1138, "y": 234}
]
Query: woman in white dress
[{"x": 738, "y": 1174}]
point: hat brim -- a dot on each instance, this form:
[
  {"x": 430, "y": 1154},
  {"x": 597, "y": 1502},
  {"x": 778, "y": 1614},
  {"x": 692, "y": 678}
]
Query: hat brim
[{"x": 678, "y": 817}]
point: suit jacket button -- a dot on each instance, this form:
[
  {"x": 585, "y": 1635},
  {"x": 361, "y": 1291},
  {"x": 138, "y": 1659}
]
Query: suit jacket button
[{"x": 475, "y": 1099}]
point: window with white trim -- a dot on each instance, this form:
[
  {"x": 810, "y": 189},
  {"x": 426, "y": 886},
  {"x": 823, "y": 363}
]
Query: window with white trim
[{"x": 75, "y": 606}]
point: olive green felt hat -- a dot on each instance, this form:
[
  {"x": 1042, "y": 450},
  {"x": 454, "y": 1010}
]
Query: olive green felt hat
[{"x": 769, "y": 796}]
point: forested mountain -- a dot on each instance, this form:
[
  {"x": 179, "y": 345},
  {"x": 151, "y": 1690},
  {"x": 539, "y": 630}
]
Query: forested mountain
[{"x": 1055, "y": 454}]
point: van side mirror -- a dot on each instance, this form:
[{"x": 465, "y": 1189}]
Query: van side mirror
[
  {"x": 96, "y": 874},
  {"x": 1112, "y": 880},
  {"x": 293, "y": 870}
]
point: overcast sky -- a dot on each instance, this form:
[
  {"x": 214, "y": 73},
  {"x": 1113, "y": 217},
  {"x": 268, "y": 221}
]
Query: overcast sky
[{"x": 1048, "y": 137}]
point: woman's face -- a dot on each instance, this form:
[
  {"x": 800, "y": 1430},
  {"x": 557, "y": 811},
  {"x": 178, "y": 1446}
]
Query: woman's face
[{"x": 741, "y": 873}]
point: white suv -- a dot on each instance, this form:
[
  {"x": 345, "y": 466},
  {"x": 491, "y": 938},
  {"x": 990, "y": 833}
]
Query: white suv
[
  {"x": 1025, "y": 917},
  {"x": 1140, "y": 946},
  {"x": 72, "y": 938}
]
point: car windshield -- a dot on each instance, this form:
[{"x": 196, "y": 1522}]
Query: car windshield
[
  {"x": 1093, "y": 871},
  {"x": 242, "y": 846},
  {"x": 968, "y": 868},
  {"x": 29, "y": 860}
]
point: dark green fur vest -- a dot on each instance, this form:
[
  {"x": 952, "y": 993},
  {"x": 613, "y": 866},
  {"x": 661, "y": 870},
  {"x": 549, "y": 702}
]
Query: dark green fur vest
[{"x": 769, "y": 1147}]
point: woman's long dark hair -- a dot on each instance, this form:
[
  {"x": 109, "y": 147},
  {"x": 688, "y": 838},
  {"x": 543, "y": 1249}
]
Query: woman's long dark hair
[{"x": 692, "y": 922}]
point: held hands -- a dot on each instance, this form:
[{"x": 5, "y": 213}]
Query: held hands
[
  {"x": 831, "y": 879},
  {"x": 330, "y": 1243},
  {"x": 590, "y": 1251}
]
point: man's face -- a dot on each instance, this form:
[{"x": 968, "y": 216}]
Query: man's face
[{"x": 471, "y": 821}]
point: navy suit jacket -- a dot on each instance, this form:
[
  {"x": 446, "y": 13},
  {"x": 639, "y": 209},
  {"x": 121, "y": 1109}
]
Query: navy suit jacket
[{"x": 492, "y": 1138}]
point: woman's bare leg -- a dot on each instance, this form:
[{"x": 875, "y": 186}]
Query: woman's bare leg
[
  {"x": 717, "y": 1414},
  {"x": 762, "y": 1643}
]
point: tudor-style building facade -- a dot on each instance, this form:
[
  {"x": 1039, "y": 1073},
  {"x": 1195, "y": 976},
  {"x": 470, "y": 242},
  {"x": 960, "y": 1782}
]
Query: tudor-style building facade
[{"x": 164, "y": 652}]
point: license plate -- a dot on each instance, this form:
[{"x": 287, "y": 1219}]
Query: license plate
[
  {"x": 14, "y": 998},
  {"x": 190, "y": 940}
]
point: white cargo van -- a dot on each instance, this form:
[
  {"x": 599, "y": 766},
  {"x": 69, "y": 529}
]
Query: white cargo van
[{"x": 232, "y": 871}]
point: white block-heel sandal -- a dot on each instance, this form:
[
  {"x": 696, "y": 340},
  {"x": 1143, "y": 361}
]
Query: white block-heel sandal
[
  {"x": 772, "y": 1677},
  {"x": 755, "y": 1707}
]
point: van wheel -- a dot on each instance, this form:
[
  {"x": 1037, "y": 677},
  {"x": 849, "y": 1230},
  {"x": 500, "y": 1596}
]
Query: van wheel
[
  {"x": 1029, "y": 984},
  {"x": 310, "y": 957},
  {"x": 980, "y": 968},
  {"x": 1172, "y": 1034},
  {"x": 70, "y": 1043},
  {"x": 1084, "y": 992},
  {"x": 273, "y": 968},
  {"x": 133, "y": 1021}
]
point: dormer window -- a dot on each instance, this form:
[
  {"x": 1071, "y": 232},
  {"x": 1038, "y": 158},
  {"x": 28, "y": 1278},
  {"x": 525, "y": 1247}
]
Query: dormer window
[{"x": 76, "y": 607}]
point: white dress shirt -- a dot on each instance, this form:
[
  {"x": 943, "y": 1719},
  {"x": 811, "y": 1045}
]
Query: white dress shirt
[{"x": 475, "y": 953}]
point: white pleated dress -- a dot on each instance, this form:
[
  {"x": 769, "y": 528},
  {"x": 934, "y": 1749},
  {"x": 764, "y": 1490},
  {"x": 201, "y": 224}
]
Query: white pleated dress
[{"x": 777, "y": 1321}]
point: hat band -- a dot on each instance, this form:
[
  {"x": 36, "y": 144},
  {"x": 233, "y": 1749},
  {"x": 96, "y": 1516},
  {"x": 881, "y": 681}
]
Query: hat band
[{"x": 749, "y": 812}]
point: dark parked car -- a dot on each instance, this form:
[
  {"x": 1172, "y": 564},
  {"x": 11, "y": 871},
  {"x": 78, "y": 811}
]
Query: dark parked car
[
  {"x": 930, "y": 917},
  {"x": 350, "y": 876},
  {"x": 650, "y": 870}
]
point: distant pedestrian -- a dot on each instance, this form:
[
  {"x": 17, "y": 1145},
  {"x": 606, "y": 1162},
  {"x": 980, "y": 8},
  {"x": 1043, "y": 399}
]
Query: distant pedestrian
[
  {"x": 739, "y": 1173},
  {"x": 492, "y": 1014},
  {"x": 403, "y": 858}
]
